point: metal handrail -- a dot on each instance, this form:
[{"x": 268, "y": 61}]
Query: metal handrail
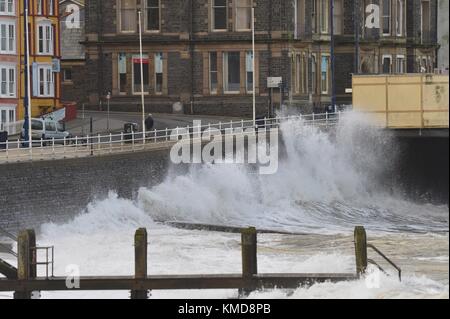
[
  {"x": 47, "y": 262},
  {"x": 89, "y": 145},
  {"x": 387, "y": 259}
]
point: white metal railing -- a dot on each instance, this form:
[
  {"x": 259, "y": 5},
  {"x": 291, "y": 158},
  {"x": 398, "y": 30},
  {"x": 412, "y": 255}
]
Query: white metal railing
[{"x": 91, "y": 145}]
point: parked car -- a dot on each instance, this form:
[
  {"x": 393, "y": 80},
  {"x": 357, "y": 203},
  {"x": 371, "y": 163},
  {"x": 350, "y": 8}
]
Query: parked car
[{"x": 47, "y": 130}]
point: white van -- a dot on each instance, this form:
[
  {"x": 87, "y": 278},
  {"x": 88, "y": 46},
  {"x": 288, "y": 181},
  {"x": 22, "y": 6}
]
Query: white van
[{"x": 47, "y": 130}]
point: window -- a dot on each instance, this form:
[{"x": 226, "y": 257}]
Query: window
[
  {"x": 219, "y": 15},
  {"x": 425, "y": 22},
  {"x": 314, "y": 16},
  {"x": 400, "y": 17},
  {"x": 7, "y": 37},
  {"x": 7, "y": 7},
  {"x": 137, "y": 73},
  {"x": 122, "y": 70},
  {"x": 243, "y": 15},
  {"x": 324, "y": 16},
  {"x": 43, "y": 80},
  {"x": 50, "y": 126},
  {"x": 128, "y": 18},
  {"x": 213, "y": 79},
  {"x": 45, "y": 38},
  {"x": 324, "y": 75},
  {"x": 249, "y": 71},
  {"x": 158, "y": 73},
  {"x": 39, "y": 6},
  {"x": 37, "y": 125},
  {"x": 67, "y": 75},
  {"x": 302, "y": 74},
  {"x": 300, "y": 18},
  {"x": 152, "y": 15},
  {"x": 338, "y": 11},
  {"x": 386, "y": 17},
  {"x": 313, "y": 74},
  {"x": 387, "y": 64},
  {"x": 7, "y": 116},
  {"x": 50, "y": 7},
  {"x": 400, "y": 65},
  {"x": 231, "y": 72},
  {"x": 7, "y": 81}
]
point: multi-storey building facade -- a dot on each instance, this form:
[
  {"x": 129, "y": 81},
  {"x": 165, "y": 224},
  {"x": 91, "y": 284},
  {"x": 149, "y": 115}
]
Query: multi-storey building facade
[
  {"x": 72, "y": 51},
  {"x": 199, "y": 52},
  {"x": 43, "y": 24},
  {"x": 9, "y": 61}
]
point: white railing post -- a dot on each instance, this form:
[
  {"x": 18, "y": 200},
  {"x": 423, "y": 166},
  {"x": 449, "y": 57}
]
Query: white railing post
[
  {"x": 53, "y": 146},
  {"x": 242, "y": 124},
  {"x": 110, "y": 142},
  {"x": 121, "y": 141},
  {"x": 132, "y": 140},
  {"x": 76, "y": 146},
  {"x": 231, "y": 124},
  {"x": 167, "y": 134},
  {"x": 156, "y": 135},
  {"x": 98, "y": 141}
]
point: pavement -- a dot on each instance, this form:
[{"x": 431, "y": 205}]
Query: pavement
[{"x": 116, "y": 121}]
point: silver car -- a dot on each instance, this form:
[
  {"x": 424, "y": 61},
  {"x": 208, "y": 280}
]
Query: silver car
[{"x": 47, "y": 130}]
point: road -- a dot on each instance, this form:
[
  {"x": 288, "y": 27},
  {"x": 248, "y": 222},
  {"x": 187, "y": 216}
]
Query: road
[{"x": 80, "y": 126}]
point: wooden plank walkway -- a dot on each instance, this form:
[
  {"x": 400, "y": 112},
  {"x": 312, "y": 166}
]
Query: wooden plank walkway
[{"x": 249, "y": 280}]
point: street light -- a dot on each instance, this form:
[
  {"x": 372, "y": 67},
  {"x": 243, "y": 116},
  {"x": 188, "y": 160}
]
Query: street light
[{"x": 142, "y": 78}]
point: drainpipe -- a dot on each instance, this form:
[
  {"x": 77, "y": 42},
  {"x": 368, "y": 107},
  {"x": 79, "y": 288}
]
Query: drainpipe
[
  {"x": 333, "y": 83},
  {"x": 191, "y": 48}
]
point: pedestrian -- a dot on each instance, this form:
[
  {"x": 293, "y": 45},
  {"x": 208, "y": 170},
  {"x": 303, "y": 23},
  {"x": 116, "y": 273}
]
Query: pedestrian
[{"x": 149, "y": 123}]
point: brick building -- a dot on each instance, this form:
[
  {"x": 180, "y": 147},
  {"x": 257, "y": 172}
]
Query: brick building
[
  {"x": 198, "y": 52},
  {"x": 72, "y": 51},
  {"x": 44, "y": 54}
]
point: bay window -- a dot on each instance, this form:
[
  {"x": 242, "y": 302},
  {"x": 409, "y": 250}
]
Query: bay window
[
  {"x": 324, "y": 81},
  {"x": 7, "y": 81},
  {"x": 45, "y": 38},
  {"x": 213, "y": 73},
  {"x": 231, "y": 72},
  {"x": 159, "y": 73},
  {"x": 249, "y": 71},
  {"x": 7, "y": 7},
  {"x": 243, "y": 15},
  {"x": 7, "y": 37},
  {"x": 43, "y": 80}
]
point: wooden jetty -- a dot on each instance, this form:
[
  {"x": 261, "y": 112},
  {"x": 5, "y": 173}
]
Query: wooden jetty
[{"x": 23, "y": 280}]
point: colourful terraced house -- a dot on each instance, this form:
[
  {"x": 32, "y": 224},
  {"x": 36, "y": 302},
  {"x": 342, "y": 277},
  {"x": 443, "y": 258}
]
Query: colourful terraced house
[{"x": 44, "y": 41}]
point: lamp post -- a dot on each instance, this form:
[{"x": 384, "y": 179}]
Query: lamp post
[
  {"x": 27, "y": 122},
  {"x": 142, "y": 77},
  {"x": 253, "y": 67}
]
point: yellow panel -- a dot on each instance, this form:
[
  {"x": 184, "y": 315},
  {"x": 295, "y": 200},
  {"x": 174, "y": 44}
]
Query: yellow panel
[
  {"x": 435, "y": 97},
  {"x": 435, "y": 119},
  {"x": 369, "y": 98},
  {"x": 405, "y": 120},
  {"x": 404, "y": 97}
]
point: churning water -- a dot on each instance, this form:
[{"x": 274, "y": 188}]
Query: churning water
[{"x": 326, "y": 184}]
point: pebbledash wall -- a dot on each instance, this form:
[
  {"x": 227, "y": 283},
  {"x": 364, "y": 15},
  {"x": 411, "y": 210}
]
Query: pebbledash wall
[
  {"x": 34, "y": 193},
  {"x": 37, "y": 192}
]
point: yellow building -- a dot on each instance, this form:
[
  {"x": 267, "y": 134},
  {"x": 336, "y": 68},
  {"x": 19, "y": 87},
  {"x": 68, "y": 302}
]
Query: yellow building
[{"x": 45, "y": 54}]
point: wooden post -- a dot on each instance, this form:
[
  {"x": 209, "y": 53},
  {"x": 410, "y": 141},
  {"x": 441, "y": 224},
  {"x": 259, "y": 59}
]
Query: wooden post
[
  {"x": 140, "y": 261},
  {"x": 360, "y": 250},
  {"x": 249, "y": 259},
  {"x": 26, "y": 260}
]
